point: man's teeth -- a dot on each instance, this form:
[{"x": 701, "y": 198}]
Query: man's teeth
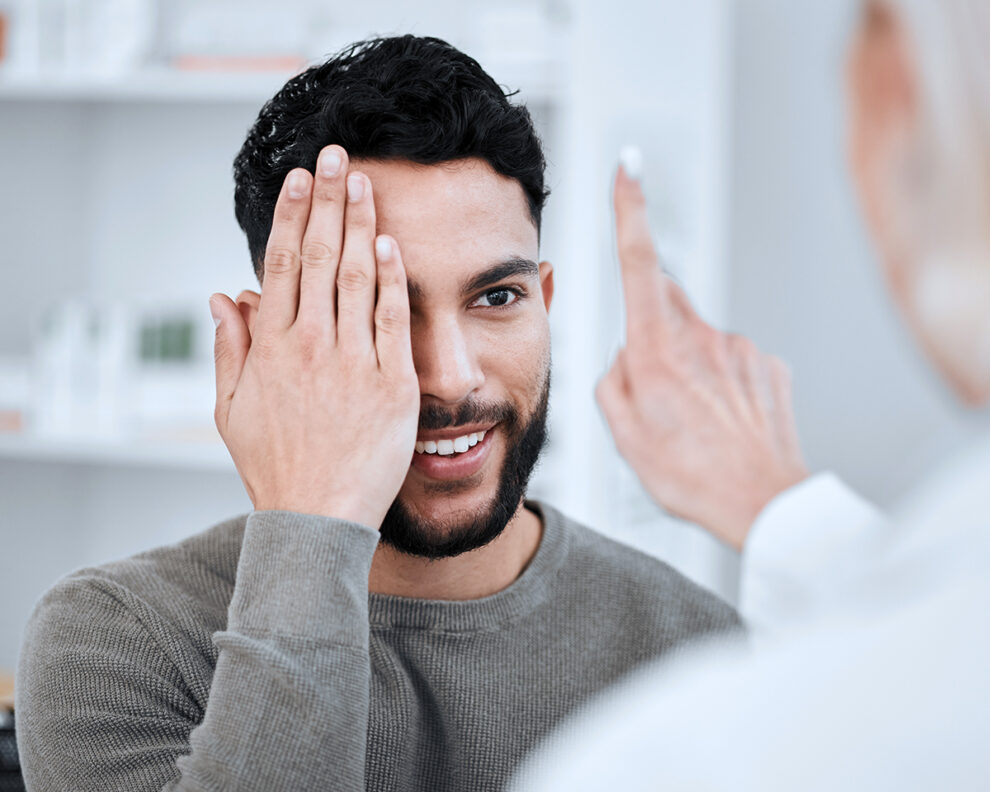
[{"x": 447, "y": 447}]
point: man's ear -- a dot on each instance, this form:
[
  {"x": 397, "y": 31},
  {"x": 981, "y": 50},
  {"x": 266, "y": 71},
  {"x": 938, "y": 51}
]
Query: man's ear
[
  {"x": 546, "y": 283},
  {"x": 247, "y": 303}
]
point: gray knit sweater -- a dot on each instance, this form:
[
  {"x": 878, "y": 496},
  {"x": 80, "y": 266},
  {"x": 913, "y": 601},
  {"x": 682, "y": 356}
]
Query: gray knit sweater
[{"x": 251, "y": 657}]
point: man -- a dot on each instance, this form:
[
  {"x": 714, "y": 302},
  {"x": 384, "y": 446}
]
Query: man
[{"x": 392, "y": 615}]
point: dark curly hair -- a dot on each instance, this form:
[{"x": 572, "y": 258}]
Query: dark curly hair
[{"x": 407, "y": 98}]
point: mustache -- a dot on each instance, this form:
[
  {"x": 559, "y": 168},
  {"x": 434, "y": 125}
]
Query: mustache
[{"x": 433, "y": 416}]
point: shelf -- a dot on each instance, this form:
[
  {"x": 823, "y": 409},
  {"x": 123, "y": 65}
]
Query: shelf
[
  {"x": 164, "y": 85},
  {"x": 538, "y": 81},
  {"x": 160, "y": 450}
]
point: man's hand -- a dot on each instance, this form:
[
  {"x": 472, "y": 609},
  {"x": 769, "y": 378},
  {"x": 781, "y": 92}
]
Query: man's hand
[
  {"x": 704, "y": 418},
  {"x": 319, "y": 402}
]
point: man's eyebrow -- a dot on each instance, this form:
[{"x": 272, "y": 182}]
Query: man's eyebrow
[
  {"x": 495, "y": 273},
  {"x": 500, "y": 271}
]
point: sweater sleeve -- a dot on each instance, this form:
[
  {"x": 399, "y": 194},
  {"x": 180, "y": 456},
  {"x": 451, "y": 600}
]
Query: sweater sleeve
[
  {"x": 101, "y": 706},
  {"x": 808, "y": 547}
]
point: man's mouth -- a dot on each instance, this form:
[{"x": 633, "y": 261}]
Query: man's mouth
[
  {"x": 453, "y": 454},
  {"x": 447, "y": 446}
]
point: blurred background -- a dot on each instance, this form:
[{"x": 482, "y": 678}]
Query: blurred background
[{"x": 119, "y": 120}]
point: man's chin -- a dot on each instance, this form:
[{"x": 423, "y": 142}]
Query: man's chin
[
  {"x": 444, "y": 503},
  {"x": 446, "y": 525}
]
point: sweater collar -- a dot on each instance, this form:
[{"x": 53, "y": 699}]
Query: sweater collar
[{"x": 522, "y": 596}]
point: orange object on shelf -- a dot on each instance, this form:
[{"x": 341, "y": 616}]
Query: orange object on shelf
[
  {"x": 6, "y": 691},
  {"x": 11, "y": 421},
  {"x": 4, "y": 27}
]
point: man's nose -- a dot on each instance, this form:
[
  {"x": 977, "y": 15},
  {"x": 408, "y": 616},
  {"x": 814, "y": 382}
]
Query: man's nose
[{"x": 448, "y": 368}]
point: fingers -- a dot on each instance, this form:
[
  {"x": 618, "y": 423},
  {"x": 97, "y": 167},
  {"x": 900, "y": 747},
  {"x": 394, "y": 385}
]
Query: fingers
[
  {"x": 752, "y": 387},
  {"x": 649, "y": 309},
  {"x": 356, "y": 278},
  {"x": 392, "y": 338},
  {"x": 323, "y": 239},
  {"x": 280, "y": 286},
  {"x": 781, "y": 387},
  {"x": 230, "y": 350}
]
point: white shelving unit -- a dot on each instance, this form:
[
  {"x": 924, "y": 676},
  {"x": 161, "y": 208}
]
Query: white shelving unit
[
  {"x": 539, "y": 80},
  {"x": 148, "y": 452},
  {"x": 164, "y": 85},
  {"x": 121, "y": 189}
]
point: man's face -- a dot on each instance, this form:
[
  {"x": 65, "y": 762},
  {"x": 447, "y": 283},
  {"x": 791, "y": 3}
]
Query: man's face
[{"x": 481, "y": 346}]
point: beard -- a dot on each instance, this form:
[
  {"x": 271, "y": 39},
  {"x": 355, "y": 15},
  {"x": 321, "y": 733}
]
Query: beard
[{"x": 409, "y": 534}]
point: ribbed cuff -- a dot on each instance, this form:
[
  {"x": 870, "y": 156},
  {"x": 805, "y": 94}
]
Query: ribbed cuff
[
  {"x": 804, "y": 549},
  {"x": 304, "y": 576}
]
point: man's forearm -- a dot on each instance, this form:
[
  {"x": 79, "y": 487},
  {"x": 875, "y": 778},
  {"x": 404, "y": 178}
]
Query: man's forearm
[
  {"x": 288, "y": 705},
  {"x": 113, "y": 696}
]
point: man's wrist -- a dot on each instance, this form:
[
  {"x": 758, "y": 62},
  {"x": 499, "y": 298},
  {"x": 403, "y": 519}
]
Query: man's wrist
[{"x": 346, "y": 511}]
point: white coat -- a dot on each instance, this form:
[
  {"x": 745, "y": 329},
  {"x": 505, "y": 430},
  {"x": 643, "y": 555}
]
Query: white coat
[{"x": 867, "y": 668}]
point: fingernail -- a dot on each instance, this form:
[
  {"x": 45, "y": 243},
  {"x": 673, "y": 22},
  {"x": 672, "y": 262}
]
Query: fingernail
[
  {"x": 631, "y": 159},
  {"x": 383, "y": 247},
  {"x": 355, "y": 187},
  {"x": 297, "y": 185},
  {"x": 330, "y": 163},
  {"x": 215, "y": 314}
]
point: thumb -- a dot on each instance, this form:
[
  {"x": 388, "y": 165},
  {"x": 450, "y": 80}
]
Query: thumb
[{"x": 230, "y": 350}]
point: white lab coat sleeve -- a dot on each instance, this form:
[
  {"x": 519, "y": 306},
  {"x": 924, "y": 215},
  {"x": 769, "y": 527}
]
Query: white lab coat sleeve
[{"x": 808, "y": 549}]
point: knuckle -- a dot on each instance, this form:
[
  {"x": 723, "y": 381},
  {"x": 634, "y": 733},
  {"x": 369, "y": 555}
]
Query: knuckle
[
  {"x": 391, "y": 276},
  {"x": 717, "y": 348},
  {"x": 354, "y": 360},
  {"x": 317, "y": 254},
  {"x": 280, "y": 260},
  {"x": 353, "y": 279},
  {"x": 741, "y": 346},
  {"x": 325, "y": 191},
  {"x": 707, "y": 338},
  {"x": 265, "y": 348},
  {"x": 390, "y": 317},
  {"x": 310, "y": 340},
  {"x": 637, "y": 249}
]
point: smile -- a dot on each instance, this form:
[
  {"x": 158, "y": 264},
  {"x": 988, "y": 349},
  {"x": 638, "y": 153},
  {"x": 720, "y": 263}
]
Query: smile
[
  {"x": 448, "y": 446},
  {"x": 453, "y": 457}
]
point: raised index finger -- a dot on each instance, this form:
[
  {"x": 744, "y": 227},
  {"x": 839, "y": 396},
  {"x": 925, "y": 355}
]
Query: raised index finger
[{"x": 650, "y": 308}]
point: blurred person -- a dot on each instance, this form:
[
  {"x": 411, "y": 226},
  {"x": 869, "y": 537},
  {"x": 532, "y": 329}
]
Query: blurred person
[
  {"x": 393, "y": 614},
  {"x": 866, "y": 664}
]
